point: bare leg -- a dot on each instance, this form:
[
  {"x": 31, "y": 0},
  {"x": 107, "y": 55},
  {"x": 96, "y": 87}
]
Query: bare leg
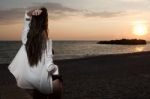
[{"x": 57, "y": 90}]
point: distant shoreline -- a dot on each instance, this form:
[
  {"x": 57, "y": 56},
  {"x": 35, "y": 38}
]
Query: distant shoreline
[{"x": 124, "y": 42}]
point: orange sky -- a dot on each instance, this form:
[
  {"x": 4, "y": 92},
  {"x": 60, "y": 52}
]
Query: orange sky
[{"x": 81, "y": 25}]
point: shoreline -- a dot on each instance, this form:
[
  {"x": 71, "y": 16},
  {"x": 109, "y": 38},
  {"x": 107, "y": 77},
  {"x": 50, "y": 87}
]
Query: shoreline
[
  {"x": 72, "y": 57},
  {"x": 92, "y": 56}
]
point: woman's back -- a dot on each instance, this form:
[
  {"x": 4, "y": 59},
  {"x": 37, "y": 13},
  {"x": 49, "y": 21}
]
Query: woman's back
[
  {"x": 32, "y": 77},
  {"x": 35, "y": 77}
]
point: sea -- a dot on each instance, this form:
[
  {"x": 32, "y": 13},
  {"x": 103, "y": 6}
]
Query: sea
[{"x": 72, "y": 49}]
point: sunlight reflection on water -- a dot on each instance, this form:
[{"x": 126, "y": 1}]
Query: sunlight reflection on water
[{"x": 139, "y": 48}]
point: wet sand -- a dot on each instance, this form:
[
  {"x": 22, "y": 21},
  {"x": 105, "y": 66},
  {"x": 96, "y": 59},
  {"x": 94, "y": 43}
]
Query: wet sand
[{"x": 119, "y": 76}]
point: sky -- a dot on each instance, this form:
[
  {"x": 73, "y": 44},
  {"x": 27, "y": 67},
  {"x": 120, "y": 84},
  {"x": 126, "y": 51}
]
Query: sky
[{"x": 80, "y": 19}]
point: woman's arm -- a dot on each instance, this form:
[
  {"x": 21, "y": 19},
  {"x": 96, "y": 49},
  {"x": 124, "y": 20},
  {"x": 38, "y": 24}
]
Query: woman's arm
[
  {"x": 49, "y": 55},
  {"x": 27, "y": 20},
  {"x": 50, "y": 66}
]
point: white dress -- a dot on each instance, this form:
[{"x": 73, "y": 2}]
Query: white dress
[{"x": 32, "y": 77}]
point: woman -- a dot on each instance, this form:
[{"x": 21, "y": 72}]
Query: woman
[{"x": 33, "y": 65}]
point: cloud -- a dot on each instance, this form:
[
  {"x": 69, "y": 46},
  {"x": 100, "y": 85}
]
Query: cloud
[
  {"x": 55, "y": 7},
  {"x": 56, "y": 11},
  {"x": 103, "y": 14},
  {"x": 11, "y": 14}
]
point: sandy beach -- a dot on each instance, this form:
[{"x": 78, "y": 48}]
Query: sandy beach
[{"x": 119, "y": 76}]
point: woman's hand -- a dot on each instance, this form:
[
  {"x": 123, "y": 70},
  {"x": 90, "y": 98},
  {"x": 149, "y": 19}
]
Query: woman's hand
[
  {"x": 52, "y": 68},
  {"x": 34, "y": 12}
]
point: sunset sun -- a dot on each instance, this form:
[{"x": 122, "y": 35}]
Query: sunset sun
[{"x": 140, "y": 29}]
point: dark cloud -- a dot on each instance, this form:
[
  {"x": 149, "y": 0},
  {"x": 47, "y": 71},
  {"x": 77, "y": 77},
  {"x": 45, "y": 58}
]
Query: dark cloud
[
  {"x": 55, "y": 7},
  {"x": 56, "y": 11},
  {"x": 7, "y": 16}
]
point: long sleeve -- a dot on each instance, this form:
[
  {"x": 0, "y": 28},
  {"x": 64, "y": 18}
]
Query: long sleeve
[
  {"x": 27, "y": 20},
  {"x": 49, "y": 58},
  {"x": 49, "y": 54}
]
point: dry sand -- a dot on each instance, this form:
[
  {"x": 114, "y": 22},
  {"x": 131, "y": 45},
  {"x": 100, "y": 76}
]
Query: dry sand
[{"x": 122, "y": 76}]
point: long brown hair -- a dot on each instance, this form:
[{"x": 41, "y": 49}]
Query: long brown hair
[{"x": 37, "y": 37}]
